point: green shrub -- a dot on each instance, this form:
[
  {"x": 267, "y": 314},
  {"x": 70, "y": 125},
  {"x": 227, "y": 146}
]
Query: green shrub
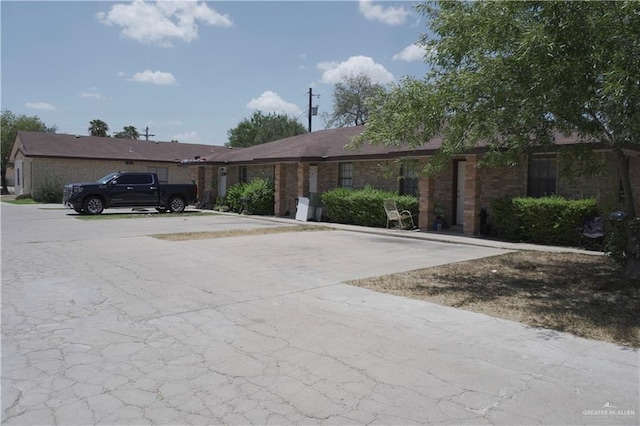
[
  {"x": 365, "y": 206},
  {"x": 233, "y": 197},
  {"x": 549, "y": 220},
  {"x": 260, "y": 194},
  {"x": 49, "y": 191}
]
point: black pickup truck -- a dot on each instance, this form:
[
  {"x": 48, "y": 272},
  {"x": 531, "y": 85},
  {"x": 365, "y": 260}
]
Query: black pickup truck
[{"x": 128, "y": 189}]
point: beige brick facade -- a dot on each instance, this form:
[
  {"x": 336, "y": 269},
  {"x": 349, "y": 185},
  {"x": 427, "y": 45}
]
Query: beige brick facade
[{"x": 36, "y": 170}]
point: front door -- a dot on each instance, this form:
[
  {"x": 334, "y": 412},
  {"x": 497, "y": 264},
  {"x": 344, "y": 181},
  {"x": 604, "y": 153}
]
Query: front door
[
  {"x": 313, "y": 178},
  {"x": 460, "y": 193},
  {"x": 222, "y": 181}
]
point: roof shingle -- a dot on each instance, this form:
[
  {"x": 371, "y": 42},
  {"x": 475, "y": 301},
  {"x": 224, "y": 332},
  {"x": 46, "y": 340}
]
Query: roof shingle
[{"x": 39, "y": 144}]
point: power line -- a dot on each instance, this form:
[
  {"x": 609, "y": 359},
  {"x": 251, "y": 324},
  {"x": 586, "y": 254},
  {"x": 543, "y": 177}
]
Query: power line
[
  {"x": 312, "y": 110},
  {"x": 146, "y": 133}
]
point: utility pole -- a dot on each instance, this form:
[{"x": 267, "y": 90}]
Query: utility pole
[
  {"x": 313, "y": 110},
  {"x": 146, "y": 133}
]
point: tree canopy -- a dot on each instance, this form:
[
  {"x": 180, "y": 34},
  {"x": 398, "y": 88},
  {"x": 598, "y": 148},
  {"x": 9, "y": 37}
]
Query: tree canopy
[
  {"x": 98, "y": 128},
  {"x": 128, "y": 132},
  {"x": 349, "y": 101},
  {"x": 514, "y": 74},
  {"x": 261, "y": 128},
  {"x": 10, "y": 125}
]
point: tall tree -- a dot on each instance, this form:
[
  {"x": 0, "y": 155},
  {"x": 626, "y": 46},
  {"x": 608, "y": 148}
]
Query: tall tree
[
  {"x": 512, "y": 74},
  {"x": 10, "y": 125},
  {"x": 128, "y": 132},
  {"x": 260, "y": 128},
  {"x": 98, "y": 128},
  {"x": 350, "y": 101}
]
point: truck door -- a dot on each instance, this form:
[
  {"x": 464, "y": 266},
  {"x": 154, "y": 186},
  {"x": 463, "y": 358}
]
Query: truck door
[
  {"x": 121, "y": 190},
  {"x": 146, "y": 190}
]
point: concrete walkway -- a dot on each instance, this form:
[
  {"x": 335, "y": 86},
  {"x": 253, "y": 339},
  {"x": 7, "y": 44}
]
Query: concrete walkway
[{"x": 103, "y": 324}]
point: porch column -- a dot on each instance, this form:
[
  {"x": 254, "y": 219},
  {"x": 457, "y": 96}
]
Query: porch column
[
  {"x": 472, "y": 188},
  {"x": 303, "y": 179},
  {"x": 426, "y": 202},
  {"x": 280, "y": 184}
]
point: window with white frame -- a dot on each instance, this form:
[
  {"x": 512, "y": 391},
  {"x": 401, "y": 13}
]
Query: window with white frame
[{"x": 345, "y": 175}]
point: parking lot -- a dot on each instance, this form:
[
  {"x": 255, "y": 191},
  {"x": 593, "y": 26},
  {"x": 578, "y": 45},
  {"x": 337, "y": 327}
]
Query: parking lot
[{"x": 104, "y": 324}]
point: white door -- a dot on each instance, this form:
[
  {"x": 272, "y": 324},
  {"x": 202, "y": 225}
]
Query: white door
[
  {"x": 18, "y": 180},
  {"x": 313, "y": 178},
  {"x": 460, "y": 194},
  {"x": 222, "y": 181}
]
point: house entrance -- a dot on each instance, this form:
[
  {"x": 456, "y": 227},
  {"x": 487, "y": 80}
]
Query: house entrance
[
  {"x": 313, "y": 178},
  {"x": 460, "y": 166},
  {"x": 222, "y": 181}
]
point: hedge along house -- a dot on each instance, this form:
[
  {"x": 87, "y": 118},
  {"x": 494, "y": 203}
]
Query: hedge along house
[
  {"x": 49, "y": 158},
  {"x": 318, "y": 161}
]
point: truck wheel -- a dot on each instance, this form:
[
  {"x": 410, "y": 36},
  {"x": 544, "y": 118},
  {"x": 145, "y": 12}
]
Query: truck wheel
[
  {"x": 176, "y": 205},
  {"x": 93, "y": 205}
]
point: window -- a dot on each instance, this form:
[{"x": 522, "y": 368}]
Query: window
[
  {"x": 542, "y": 177},
  {"x": 345, "y": 175},
  {"x": 162, "y": 172},
  {"x": 242, "y": 175},
  {"x": 408, "y": 180},
  {"x": 124, "y": 180},
  {"x": 145, "y": 179}
]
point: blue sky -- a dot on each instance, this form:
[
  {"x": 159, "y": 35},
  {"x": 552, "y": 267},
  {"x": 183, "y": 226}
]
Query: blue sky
[{"x": 191, "y": 70}]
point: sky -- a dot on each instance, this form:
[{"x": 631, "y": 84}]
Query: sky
[{"x": 191, "y": 70}]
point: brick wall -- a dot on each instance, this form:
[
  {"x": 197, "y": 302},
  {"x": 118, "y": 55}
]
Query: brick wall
[
  {"x": 68, "y": 170},
  {"x": 378, "y": 174},
  {"x": 495, "y": 182}
]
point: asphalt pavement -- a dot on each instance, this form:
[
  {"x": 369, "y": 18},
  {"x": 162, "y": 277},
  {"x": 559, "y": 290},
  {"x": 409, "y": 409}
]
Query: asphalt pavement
[{"x": 104, "y": 324}]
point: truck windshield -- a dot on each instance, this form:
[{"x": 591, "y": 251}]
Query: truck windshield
[{"x": 107, "y": 178}]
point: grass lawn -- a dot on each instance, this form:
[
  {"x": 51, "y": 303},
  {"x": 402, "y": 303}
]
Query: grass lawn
[
  {"x": 20, "y": 201},
  {"x": 138, "y": 215},
  {"x": 576, "y": 293},
  {"x": 185, "y": 236}
]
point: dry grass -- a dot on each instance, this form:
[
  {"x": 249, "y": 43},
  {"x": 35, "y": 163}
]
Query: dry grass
[
  {"x": 185, "y": 236},
  {"x": 576, "y": 293}
]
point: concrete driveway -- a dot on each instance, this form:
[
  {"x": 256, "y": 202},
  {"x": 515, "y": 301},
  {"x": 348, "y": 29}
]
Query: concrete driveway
[{"x": 103, "y": 324}]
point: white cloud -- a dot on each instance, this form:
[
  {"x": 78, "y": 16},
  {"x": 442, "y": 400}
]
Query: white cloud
[
  {"x": 271, "y": 102},
  {"x": 158, "y": 22},
  {"x": 335, "y": 72},
  {"x": 154, "y": 77},
  {"x": 45, "y": 106},
  {"x": 188, "y": 137},
  {"x": 389, "y": 15},
  {"x": 93, "y": 93},
  {"x": 411, "y": 53}
]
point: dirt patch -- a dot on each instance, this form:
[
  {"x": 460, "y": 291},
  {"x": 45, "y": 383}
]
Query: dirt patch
[
  {"x": 577, "y": 293},
  {"x": 185, "y": 236}
]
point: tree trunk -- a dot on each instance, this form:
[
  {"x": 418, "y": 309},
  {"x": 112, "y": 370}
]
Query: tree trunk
[
  {"x": 5, "y": 190},
  {"x": 623, "y": 169},
  {"x": 632, "y": 250}
]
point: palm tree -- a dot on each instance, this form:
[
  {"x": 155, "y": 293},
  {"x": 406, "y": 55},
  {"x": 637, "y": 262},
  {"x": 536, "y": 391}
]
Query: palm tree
[
  {"x": 128, "y": 132},
  {"x": 98, "y": 128}
]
